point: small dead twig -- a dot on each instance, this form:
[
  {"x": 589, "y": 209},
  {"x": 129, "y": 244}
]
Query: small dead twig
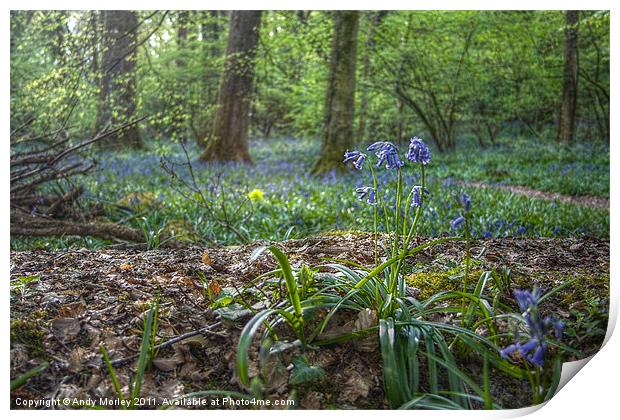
[{"x": 122, "y": 361}]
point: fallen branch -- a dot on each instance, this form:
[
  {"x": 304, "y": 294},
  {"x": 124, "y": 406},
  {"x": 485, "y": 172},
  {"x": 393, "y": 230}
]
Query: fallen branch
[{"x": 122, "y": 361}]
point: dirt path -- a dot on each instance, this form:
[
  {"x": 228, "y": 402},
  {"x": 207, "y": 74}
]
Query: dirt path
[
  {"x": 81, "y": 299},
  {"x": 580, "y": 200}
]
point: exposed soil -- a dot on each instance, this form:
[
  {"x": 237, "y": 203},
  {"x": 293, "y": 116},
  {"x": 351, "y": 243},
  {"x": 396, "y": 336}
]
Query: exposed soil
[
  {"x": 580, "y": 200},
  {"x": 82, "y": 299}
]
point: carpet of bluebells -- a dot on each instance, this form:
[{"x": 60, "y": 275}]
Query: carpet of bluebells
[{"x": 288, "y": 202}]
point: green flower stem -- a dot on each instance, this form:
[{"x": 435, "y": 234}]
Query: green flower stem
[
  {"x": 467, "y": 266},
  {"x": 409, "y": 237}
]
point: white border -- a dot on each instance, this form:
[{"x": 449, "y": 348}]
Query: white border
[{"x": 591, "y": 394}]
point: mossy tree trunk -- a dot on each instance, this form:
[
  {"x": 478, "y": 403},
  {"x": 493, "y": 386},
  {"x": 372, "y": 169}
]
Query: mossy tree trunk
[
  {"x": 228, "y": 141},
  {"x": 117, "y": 96},
  {"x": 568, "y": 107},
  {"x": 337, "y": 134}
]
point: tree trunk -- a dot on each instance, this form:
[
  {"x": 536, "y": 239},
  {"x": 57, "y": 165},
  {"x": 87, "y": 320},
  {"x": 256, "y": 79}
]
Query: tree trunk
[
  {"x": 340, "y": 99},
  {"x": 117, "y": 97},
  {"x": 179, "y": 117},
  {"x": 228, "y": 140},
  {"x": 568, "y": 107}
]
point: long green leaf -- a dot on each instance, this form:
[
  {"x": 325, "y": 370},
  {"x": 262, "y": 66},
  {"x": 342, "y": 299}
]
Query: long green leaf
[
  {"x": 144, "y": 353},
  {"x": 24, "y": 377},
  {"x": 112, "y": 372},
  {"x": 245, "y": 341}
]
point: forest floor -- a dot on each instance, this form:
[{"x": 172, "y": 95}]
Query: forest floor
[{"x": 77, "y": 300}]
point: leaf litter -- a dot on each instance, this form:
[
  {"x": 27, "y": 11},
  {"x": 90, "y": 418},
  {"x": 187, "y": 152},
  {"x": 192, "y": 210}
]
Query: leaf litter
[{"x": 84, "y": 299}]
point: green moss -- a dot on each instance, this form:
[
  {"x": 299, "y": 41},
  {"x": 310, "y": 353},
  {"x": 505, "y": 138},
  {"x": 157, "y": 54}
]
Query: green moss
[
  {"x": 585, "y": 285},
  {"x": 432, "y": 282},
  {"x": 140, "y": 201},
  {"x": 181, "y": 230},
  {"x": 29, "y": 334}
]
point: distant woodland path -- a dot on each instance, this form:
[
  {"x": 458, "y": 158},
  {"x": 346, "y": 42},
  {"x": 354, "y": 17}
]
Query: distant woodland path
[{"x": 580, "y": 200}]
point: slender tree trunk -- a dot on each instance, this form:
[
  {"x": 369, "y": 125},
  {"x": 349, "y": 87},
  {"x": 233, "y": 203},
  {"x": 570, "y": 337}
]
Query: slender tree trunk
[
  {"x": 568, "y": 107},
  {"x": 179, "y": 121},
  {"x": 117, "y": 97},
  {"x": 340, "y": 99},
  {"x": 228, "y": 140}
]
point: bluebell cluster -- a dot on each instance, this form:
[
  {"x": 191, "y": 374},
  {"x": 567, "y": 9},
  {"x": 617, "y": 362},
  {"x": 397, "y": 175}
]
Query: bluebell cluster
[
  {"x": 355, "y": 157},
  {"x": 364, "y": 192},
  {"x": 533, "y": 350},
  {"x": 386, "y": 152},
  {"x": 282, "y": 169},
  {"x": 418, "y": 151}
]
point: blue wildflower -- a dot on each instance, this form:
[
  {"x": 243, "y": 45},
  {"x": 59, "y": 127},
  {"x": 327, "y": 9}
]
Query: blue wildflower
[
  {"x": 526, "y": 299},
  {"x": 364, "y": 192},
  {"x": 418, "y": 151},
  {"x": 457, "y": 222},
  {"x": 558, "y": 328},
  {"x": 466, "y": 201},
  {"x": 539, "y": 354},
  {"x": 417, "y": 196},
  {"x": 505, "y": 353},
  {"x": 380, "y": 145},
  {"x": 356, "y": 157},
  {"x": 386, "y": 152},
  {"x": 534, "y": 349}
]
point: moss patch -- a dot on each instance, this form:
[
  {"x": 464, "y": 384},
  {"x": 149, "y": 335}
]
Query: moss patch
[
  {"x": 30, "y": 335},
  {"x": 432, "y": 282}
]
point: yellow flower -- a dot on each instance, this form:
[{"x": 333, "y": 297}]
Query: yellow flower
[{"x": 256, "y": 194}]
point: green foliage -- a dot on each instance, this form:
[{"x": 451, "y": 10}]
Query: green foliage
[
  {"x": 145, "y": 358},
  {"x": 303, "y": 373},
  {"x": 19, "y": 286},
  {"x": 416, "y": 68},
  {"x": 25, "y": 377}
]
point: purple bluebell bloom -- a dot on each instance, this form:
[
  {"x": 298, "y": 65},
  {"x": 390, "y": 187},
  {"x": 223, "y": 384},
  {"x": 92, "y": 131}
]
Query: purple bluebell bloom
[
  {"x": 534, "y": 349},
  {"x": 418, "y": 151},
  {"x": 356, "y": 157},
  {"x": 364, "y": 192},
  {"x": 417, "y": 196},
  {"x": 380, "y": 145},
  {"x": 457, "y": 222},
  {"x": 558, "y": 328},
  {"x": 539, "y": 355},
  {"x": 386, "y": 152},
  {"x": 466, "y": 201},
  {"x": 527, "y": 299},
  {"x": 505, "y": 353}
]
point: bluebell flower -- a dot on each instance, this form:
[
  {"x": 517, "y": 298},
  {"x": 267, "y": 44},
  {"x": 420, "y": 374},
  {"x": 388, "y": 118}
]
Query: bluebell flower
[
  {"x": 386, "y": 152},
  {"x": 380, "y": 145},
  {"x": 466, "y": 201},
  {"x": 356, "y": 157},
  {"x": 527, "y": 299},
  {"x": 418, "y": 151},
  {"x": 417, "y": 197},
  {"x": 506, "y": 352},
  {"x": 364, "y": 192},
  {"x": 538, "y": 357},
  {"x": 558, "y": 328},
  {"x": 534, "y": 349},
  {"x": 457, "y": 222}
]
